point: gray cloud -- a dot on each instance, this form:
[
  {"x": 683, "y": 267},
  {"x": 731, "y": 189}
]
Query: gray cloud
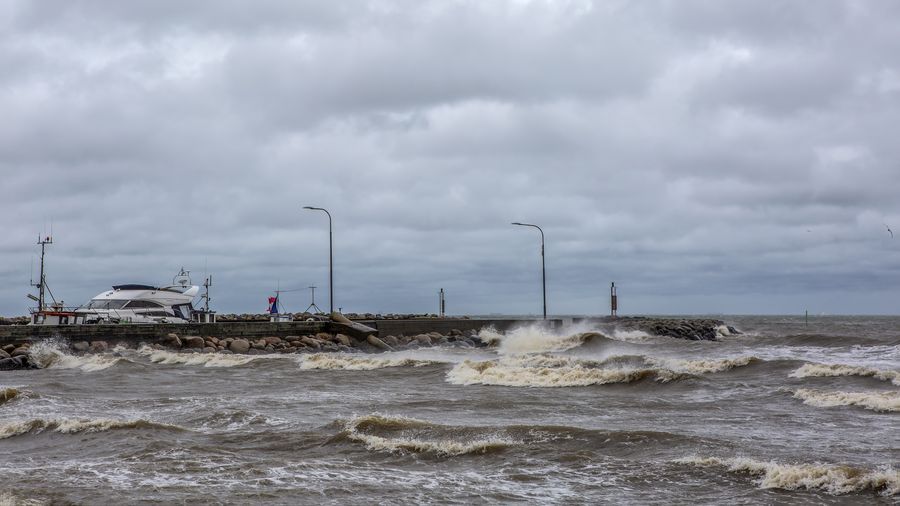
[{"x": 707, "y": 156}]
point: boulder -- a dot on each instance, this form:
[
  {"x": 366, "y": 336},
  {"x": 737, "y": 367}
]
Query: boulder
[
  {"x": 194, "y": 342},
  {"x": 209, "y": 349},
  {"x": 9, "y": 348},
  {"x": 323, "y": 336},
  {"x": 391, "y": 341},
  {"x": 455, "y": 333},
  {"x": 342, "y": 339},
  {"x": 19, "y": 352},
  {"x": 171, "y": 336},
  {"x": 378, "y": 343},
  {"x": 273, "y": 340},
  {"x": 259, "y": 344},
  {"x": 312, "y": 343},
  {"x": 173, "y": 341},
  {"x": 239, "y": 346},
  {"x": 81, "y": 346},
  {"x": 292, "y": 339},
  {"x": 424, "y": 340},
  {"x": 3, "y": 355},
  {"x": 19, "y": 362}
]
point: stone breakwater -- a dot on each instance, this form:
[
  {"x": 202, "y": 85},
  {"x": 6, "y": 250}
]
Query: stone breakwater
[
  {"x": 19, "y": 355},
  {"x": 693, "y": 329},
  {"x": 320, "y": 342}
]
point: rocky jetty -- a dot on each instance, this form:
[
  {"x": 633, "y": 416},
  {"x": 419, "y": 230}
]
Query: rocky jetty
[
  {"x": 321, "y": 342},
  {"x": 14, "y": 357},
  {"x": 693, "y": 329}
]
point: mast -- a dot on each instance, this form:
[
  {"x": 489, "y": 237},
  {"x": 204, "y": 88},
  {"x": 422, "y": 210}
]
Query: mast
[{"x": 42, "y": 280}]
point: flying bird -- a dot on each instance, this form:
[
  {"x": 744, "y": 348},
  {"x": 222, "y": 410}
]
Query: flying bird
[{"x": 889, "y": 230}]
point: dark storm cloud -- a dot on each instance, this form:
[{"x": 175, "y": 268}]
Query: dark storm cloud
[{"x": 708, "y": 156}]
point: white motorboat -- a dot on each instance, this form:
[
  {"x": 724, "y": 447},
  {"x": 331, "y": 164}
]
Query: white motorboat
[{"x": 143, "y": 303}]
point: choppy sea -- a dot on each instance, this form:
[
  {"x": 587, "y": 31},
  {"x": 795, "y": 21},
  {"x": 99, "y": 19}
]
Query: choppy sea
[{"x": 783, "y": 413}]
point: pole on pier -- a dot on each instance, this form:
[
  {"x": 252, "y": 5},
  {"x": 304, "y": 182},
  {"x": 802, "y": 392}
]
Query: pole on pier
[
  {"x": 442, "y": 304},
  {"x": 613, "y": 300}
]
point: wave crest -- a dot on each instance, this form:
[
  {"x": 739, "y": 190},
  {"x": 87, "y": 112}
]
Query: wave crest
[
  {"x": 875, "y": 401},
  {"x": 825, "y": 370},
  {"x": 205, "y": 359},
  {"x": 552, "y": 371},
  {"x": 52, "y": 354},
  {"x": 9, "y": 394},
  {"x": 537, "y": 338},
  {"x": 347, "y": 362},
  {"x": 705, "y": 366},
  {"x": 832, "y": 479},
  {"x": 396, "y": 433},
  {"x": 73, "y": 426}
]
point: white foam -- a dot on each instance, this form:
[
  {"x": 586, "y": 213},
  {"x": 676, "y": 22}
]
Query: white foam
[
  {"x": 811, "y": 370},
  {"x": 535, "y": 338},
  {"x": 357, "y": 362},
  {"x": 409, "y": 441},
  {"x": 166, "y": 357},
  {"x": 832, "y": 479},
  {"x": 51, "y": 354},
  {"x": 564, "y": 373},
  {"x": 875, "y": 401},
  {"x": 72, "y": 426},
  {"x": 703, "y": 366}
]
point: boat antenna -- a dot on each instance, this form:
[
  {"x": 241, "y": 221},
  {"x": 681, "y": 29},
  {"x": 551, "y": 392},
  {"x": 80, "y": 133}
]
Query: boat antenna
[
  {"x": 41, "y": 285},
  {"x": 206, "y": 284}
]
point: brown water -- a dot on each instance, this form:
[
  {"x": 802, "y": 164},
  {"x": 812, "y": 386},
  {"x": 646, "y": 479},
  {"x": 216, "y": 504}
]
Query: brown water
[{"x": 783, "y": 413}]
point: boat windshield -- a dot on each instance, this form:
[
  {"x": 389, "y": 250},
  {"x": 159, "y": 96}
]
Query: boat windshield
[{"x": 105, "y": 304}]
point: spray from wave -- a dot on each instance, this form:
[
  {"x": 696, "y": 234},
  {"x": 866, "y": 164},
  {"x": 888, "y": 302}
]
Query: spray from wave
[
  {"x": 825, "y": 370},
  {"x": 537, "y": 338},
  {"x": 73, "y": 426},
  {"x": 347, "y": 362},
  {"x": 53, "y": 354},
  {"x": 396, "y": 433},
  {"x": 832, "y": 479},
  {"x": 875, "y": 401}
]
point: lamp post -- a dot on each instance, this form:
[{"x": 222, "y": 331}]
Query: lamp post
[
  {"x": 330, "y": 257},
  {"x": 543, "y": 265}
]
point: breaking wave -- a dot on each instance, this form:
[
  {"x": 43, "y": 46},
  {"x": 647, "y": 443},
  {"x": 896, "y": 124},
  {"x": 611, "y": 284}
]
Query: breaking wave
[
  {"x": 47, "y": 354},
  {"x": 875, "y": 401},
  {"x": 205, "y": 359},
  {"x": 395, "y": 434},
  {"x": 552, "y": 371},
  {"x": 9, "y": 394},
  {"x": 831, "y": 479},
  {"x": 704, "y": 366},
  {"x": 72, "y": 426},
  {"x": 537, "y": 338},
  {"x": 347, "y": 362},
  {"x": 811, "y": 370}
]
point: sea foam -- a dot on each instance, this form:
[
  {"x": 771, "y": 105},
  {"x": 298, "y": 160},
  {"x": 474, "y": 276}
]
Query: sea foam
[
  {"x": 10, "y": 429},
  {"x": 812, "y": 370},
  {"x": 52, "y": 354},
  {"x": 538, "y": 371},
  {"x": 348, "y": 362},
  {"x": 831, "y": 479},
  {"x": 872, "y": 400},
  {"x": 409, "y": 434}
]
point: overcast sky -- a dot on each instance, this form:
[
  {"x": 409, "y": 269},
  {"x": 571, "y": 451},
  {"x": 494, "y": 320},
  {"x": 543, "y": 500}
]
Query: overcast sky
[{"x": 707, "y": 156}]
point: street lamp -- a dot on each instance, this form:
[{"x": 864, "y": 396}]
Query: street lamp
[
  {"x": 330, "y": 258},
  {"x": 543, "y": 265}
]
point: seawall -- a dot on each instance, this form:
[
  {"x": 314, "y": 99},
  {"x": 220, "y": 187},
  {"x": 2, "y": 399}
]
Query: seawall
[{"x": 135, "y": 333}]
